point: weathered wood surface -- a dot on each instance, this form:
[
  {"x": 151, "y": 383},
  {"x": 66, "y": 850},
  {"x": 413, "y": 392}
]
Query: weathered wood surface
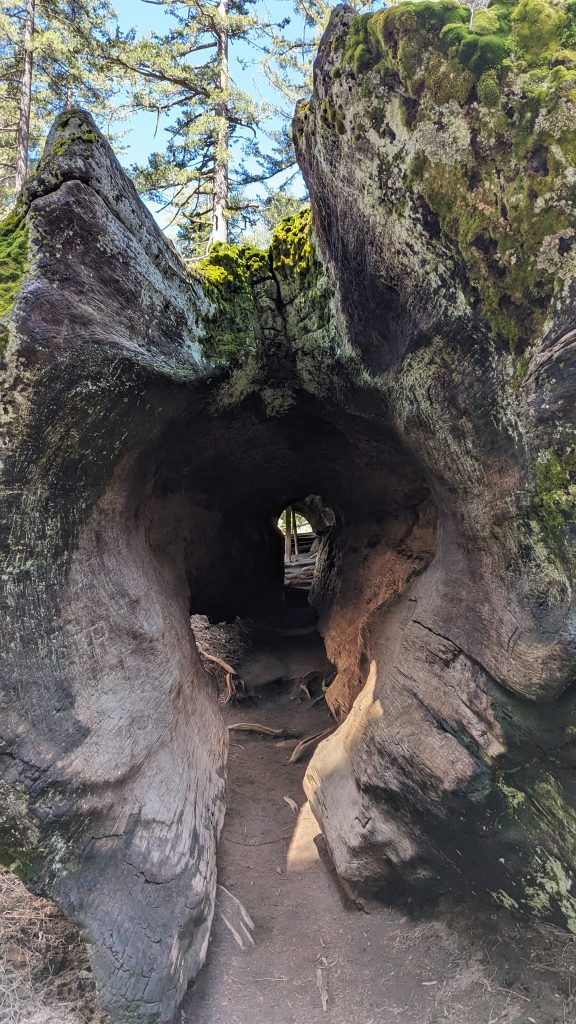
[
  {"x": 455, "y": 764},
  {"x": 103, "y": 694},
  {"x": 139, "y": 479}
]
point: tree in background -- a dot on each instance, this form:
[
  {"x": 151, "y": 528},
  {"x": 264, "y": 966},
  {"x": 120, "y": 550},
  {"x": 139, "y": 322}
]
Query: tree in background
[
  {"x": 212, "y": 125},
  {"x": 289, "y": 58},
  {"x": 279, "y": 203},
  {"x": 51, "y": 58},
  {"x": 287, "y": 63}
]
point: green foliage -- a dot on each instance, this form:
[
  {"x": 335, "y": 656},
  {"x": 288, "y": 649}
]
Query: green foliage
[
  {"x": 277, "y": 205},
  {"x": 13, "y": 261},
  {"x": 554, "y": 504},
  {"x": 287, "y": 61},
  {"x": 69, "y": 69},
  {"x": 210, "y": 125}
]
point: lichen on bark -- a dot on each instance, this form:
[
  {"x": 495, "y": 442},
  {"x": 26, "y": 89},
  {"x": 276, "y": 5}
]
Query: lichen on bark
[{"x": 485, "y": 136}]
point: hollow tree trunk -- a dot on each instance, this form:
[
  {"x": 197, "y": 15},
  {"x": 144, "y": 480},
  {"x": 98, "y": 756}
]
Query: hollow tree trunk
[
  {"x": 443, "y": 429},
  {"x": 23, "y": 133},
  {"x": 461, "y": 722},
  {"x": 220, "y": 201}
]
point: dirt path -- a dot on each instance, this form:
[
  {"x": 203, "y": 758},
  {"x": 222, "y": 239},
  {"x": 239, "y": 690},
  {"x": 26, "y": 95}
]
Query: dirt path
[{"x": 459, "y": 964}]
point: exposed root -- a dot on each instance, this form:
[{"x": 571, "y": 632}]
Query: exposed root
[{"x": 231, "y": 676}]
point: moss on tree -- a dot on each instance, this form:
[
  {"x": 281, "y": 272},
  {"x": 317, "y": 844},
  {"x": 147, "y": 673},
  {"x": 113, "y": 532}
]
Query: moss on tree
[
  {"x": 490, "y": 125},
  {"x": 228, "y": 275},
  {"x": 238, "y": 278},
  {"x": 554, "y": 503},
  {"x": 13, "y": 262}
]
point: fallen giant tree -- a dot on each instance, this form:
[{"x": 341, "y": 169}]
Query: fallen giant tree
[{"x": 410, "y": 358}]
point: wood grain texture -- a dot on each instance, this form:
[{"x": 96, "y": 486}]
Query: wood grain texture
[{"x": 437, "y": 778}]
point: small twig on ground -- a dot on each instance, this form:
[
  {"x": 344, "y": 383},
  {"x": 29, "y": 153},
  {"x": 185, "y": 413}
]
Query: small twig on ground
[{"x": 322, "y": 988}]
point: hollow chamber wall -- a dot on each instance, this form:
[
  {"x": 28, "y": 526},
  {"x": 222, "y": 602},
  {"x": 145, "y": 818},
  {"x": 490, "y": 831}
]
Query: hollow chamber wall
[{"x": 249, "y": 467}]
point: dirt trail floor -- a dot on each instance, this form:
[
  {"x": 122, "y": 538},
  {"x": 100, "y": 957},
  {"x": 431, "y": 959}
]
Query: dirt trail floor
[{"x": 456, "y": 964}]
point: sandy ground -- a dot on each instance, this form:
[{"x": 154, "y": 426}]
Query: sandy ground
[{"x": 457, "y": 964}]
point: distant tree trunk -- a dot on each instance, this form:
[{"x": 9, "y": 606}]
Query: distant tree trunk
[
  {"x": 295, "y": 530},
  {"x": 23, "y": 136},
  {"x": 220, "y": 204},
  {"x": 288, "y": 535}
]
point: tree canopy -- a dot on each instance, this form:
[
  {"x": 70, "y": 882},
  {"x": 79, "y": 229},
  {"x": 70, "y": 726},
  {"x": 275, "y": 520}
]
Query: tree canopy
[{"x": 219, "y": 163}]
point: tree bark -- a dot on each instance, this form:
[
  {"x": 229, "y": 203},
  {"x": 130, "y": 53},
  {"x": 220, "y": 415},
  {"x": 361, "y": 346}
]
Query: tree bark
[
  {"x": 220, "y": 203},
  {"x": 23, "y": 136}
]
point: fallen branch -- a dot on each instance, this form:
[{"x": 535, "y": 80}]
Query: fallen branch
[{"x": 223, "y": 664}]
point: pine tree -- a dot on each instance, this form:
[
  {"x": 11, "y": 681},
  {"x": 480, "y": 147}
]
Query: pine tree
[
  {"x": 25, "y": 97},
  {"x": 51, "y": 57},
  {"x": 211, "y": 125},
  {"x": 279, "y": 203},
  {"x": 222, "y": 139},
  {"x": 289, "y": 57}
]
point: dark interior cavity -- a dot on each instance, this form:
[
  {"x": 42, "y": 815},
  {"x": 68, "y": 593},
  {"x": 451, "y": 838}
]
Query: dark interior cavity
[{"x": 215, "y": 508}]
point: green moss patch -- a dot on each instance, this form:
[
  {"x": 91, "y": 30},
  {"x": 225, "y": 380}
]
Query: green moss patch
[
  {"x": 291, "y": 250},
  {"x": 532, "y": 32},
  {"x": 13, "y": 261},
  {"x": 234, "y": 276},
  {"x": 227, "y": 275},
  {"x": 19, "y": 829},
  {"x": 554, "y": 503}
]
